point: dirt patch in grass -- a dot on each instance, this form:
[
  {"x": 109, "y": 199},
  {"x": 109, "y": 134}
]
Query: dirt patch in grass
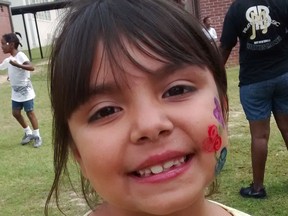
[{"x": 3, "y": 79}]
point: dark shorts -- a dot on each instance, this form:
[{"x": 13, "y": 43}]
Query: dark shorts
[
  {"x": 27, "y": 105},
  {"x": 260, "y": 99}
]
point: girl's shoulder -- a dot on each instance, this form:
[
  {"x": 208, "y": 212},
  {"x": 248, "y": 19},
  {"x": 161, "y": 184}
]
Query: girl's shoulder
[
  {"x": 20, "y": 53},
  {"x": 22, "y": 57},
  {"x": 94, "y": 213},
  {"x": 88, "y": 213},
  {"x": 100, "y": 210},
  {"x": 232, "y": 211}
]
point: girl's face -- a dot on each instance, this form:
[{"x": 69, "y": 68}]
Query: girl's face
[
  {"x": 145, "y": 143},
  {"x": 6, "y": 47}
]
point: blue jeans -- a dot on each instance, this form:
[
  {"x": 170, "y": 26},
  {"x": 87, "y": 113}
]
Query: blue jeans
[
  {"x": 27, "y": 105},
  {"x": 260, "y": 99}
]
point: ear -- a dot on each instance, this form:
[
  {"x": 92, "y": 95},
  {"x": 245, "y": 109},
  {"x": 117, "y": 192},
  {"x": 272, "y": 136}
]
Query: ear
[{"x": 77, "y": 156}]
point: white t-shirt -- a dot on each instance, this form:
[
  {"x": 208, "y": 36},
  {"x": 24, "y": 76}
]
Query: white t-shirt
[
  {"x": 22, "y": 89},
  {"x": 210, "y": 33}
]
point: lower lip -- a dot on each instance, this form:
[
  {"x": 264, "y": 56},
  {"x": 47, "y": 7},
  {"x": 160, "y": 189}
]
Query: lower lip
[{"x": 167, "y": 175}]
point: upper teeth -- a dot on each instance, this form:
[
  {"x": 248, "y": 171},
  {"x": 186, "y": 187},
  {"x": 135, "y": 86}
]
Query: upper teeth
[{"x": 156, "y": 169}]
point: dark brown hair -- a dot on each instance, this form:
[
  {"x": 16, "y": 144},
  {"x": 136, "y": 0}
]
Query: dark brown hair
[{"x": 13, "y": 38}]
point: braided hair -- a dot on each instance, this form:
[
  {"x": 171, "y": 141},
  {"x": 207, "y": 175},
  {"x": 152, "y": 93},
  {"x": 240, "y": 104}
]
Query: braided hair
[{"x": 13, "y": 38}]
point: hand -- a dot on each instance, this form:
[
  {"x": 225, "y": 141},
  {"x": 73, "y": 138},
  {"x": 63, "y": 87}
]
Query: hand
[{"x": 14, "y": 63}]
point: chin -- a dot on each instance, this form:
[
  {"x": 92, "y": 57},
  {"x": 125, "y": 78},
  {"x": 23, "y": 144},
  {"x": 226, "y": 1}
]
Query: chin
[{"x": 166, "y": 207}]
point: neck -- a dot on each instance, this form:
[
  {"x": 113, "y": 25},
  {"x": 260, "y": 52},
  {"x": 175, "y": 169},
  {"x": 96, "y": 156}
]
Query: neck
[{"x": 14, "y": 52}]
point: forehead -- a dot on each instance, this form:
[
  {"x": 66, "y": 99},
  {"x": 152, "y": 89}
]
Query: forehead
[{"x": 126, "y": 62}]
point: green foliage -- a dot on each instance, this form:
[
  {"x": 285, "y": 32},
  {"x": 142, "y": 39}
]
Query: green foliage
[{"x": 26, "y": 173}]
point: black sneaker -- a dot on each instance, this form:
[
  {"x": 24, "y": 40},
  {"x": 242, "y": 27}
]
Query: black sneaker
[{"x": 249, "y": 192}]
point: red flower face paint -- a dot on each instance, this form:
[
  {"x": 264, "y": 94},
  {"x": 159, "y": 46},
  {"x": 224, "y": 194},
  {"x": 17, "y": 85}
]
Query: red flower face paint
[
  {"x": 212, "y": 131},
  {"x": 214, "y": 141}
]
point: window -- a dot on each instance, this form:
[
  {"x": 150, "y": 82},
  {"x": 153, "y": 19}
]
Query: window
[
  {"x": 195, "y": 8},
  {"x": 44, "y": 15}
]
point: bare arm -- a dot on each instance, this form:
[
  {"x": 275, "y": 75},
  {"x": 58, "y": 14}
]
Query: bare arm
[
  {"x": 25, "y": 66},
  {"x": 225, "y": 52}
]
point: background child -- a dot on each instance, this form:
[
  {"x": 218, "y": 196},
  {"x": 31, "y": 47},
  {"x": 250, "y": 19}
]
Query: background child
[
  {"x": 212, "y": 35},
  {"x": 141, "y": 102},
  {"x": 23, "y": 94}
]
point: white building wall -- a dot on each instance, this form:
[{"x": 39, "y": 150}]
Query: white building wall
[{"x": 46, "y": 26}]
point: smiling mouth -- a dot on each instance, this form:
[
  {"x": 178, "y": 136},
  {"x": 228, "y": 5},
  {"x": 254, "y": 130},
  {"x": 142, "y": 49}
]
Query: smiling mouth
[{"x": 163, "y": 167}]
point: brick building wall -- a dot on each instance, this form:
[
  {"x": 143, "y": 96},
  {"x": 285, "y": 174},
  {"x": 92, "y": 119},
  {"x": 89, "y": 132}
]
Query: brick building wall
[
  {"x": 5, "y": 23},
  {"x": 217, "y": 10}
]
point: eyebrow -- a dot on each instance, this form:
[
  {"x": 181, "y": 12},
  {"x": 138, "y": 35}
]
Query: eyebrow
[
  {"x": 105, "y": 88},
  {"x": 168, "y": 69}
]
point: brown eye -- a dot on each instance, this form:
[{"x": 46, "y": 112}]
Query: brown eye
[
  {"x": 104, "y": 113},
  {"x": 178, "y": 90}
]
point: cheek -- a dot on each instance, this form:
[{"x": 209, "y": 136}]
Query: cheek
[
  {"x": 215, "y": 139},
  {"x": 96, "y": 169},
  {"x": 215, "y": 146},
  {"x": 217, "y": 112},
  {"x": 87, "y": 152},
  {"x": 216, "y": 132},
  {"x": 100, "y": 154}
]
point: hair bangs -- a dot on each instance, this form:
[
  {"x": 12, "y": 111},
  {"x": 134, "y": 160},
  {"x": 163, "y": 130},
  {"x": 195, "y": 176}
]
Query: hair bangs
[{"x": 141, "y": 30}]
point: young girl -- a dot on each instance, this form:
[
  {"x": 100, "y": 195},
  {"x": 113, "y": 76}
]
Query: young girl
[
  {"x": 139, "y": 97},
  {"x": 23, "y": 94}
]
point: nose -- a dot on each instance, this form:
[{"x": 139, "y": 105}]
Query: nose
[{"x": 150, "y": 123}]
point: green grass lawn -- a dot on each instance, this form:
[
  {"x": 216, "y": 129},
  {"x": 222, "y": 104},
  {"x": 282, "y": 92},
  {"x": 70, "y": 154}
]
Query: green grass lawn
[
  {"x": 238, "y": 172},
  {"x": 26, "y": 173}
]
